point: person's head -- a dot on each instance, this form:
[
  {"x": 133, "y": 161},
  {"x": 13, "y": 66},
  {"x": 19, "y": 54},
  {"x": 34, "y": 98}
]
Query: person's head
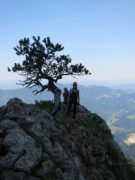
[{"x": 74, "y": 84}]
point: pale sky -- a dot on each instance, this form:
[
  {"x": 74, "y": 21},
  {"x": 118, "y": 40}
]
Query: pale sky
[{"x": 98, "y": 33}]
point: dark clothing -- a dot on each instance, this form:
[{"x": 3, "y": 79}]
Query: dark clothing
[
  {"x": 66, "y": 96},
  {"x": 73, "y": 96},
  {"x": 74, "y": 104},
  {"x": 73, "y": 101}
]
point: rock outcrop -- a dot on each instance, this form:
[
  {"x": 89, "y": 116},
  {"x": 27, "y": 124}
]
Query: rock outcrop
[{"x": 34, "y": 145}]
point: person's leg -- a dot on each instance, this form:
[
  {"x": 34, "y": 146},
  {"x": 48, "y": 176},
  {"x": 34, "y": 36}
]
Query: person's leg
[
  {"x": 74, "y": 110},
  {"x": 69, "y": 108}
]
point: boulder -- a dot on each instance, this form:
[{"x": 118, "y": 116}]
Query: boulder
[{"x": 35, "y": 145}]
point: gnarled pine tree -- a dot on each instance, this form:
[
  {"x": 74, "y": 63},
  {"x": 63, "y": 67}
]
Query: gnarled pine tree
[{"x": 43, "y": 62}]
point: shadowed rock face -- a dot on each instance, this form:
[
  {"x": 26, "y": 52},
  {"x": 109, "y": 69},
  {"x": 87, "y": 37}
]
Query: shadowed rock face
[{"x": 35, "y": 145}]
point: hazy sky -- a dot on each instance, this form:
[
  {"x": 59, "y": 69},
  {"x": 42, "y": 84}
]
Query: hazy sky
[{"x": 98, "y": 33}]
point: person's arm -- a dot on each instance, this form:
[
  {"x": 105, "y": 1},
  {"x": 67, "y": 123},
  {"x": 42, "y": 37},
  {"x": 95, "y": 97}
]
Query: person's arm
[{"x": 78, "y": 97}]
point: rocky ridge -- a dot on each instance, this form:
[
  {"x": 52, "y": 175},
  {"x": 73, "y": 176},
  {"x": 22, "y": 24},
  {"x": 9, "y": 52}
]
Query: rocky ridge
[{"x": 35, "y": 145}]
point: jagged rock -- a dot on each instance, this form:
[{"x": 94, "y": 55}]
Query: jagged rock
[
  {"x": 57, "y": 153},
  {"x": 46, "y": 167},
  {"x": 25, "y": 121},
  {"x": 34, "y": 145},
  {"x": 8, "y": 124},
  {"x": 18, "y": 141},
  {"x": 8, "y": 160},
  {"x": 11, "y": 175},
  {"x": 3, "y": 149}
]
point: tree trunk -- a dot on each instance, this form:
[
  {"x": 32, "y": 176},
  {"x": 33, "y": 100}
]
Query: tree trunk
[{"x": 57, "y": 100}]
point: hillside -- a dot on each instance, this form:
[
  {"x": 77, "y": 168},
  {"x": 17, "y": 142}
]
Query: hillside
[
  {"x": 118, "y": 109},
  {"x": 115, "y": 106},
  {"x": 34, "y": 145}
]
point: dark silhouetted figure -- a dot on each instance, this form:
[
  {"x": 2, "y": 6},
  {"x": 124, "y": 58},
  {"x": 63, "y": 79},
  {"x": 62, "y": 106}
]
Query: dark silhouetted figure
[
  {"x": 66, "y": 96},
  {"x": 74, "y": 99}
]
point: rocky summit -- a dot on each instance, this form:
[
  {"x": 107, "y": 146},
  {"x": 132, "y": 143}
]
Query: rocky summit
[{"x": 35, "y": 145}]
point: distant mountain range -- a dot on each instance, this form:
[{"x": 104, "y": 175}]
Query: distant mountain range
[
  {"x": 115, "y": 106},
  {"x": 125, "y": 87}
]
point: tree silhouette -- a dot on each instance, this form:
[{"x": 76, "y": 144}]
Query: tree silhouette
[{"x": 44, "y": 62}]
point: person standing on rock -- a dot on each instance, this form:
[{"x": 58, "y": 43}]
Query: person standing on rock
[
  {"x": 66, "y": 96},
  {"x": 74, "y": 99}
]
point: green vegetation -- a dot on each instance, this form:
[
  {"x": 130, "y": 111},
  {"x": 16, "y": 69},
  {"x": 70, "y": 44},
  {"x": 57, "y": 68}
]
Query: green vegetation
[{"x": 48, "y": 104}]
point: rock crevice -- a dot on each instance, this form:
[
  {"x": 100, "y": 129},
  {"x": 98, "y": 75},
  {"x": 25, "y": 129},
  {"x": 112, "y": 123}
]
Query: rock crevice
[{"x": 34, "y": 145}]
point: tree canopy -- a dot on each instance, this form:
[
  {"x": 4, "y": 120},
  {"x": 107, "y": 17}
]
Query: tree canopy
[{"x": 43, "y": 61}]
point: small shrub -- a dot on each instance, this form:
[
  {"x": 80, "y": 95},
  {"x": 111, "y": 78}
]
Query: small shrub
[{"x": 42, "y": 104}]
